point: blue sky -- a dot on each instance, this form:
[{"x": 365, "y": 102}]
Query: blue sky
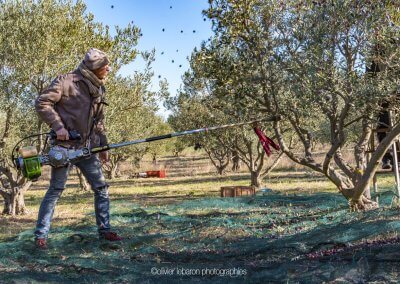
[{"x": 152, "y": 16}]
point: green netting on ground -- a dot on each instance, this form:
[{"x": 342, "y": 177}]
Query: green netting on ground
[{"x": 271, "y": 237}]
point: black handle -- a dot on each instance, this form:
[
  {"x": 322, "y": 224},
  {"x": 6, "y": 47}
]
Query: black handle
[{"x": 73, "y": 135}]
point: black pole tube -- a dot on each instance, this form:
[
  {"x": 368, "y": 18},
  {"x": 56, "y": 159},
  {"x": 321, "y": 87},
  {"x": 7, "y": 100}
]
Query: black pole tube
[{"x": 175, "y": 134}]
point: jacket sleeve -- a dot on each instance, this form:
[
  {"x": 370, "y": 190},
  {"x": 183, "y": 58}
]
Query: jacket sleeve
[
  {"x": 100, "y": 129},
  {"x": 46, "y": 101}
]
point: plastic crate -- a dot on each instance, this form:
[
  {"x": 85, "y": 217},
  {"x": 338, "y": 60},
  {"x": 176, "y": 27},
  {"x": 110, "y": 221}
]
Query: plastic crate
[
  {"x": 159, "y": 174},
  {"x": 234, "y": 191}
]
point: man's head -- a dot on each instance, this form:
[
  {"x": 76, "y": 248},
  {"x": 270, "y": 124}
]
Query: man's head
[
  {"x": 97, "y": 61},
  {"x": 102, "y": 72}
]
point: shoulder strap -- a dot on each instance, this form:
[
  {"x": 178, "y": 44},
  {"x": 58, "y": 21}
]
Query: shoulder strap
[{"x": 95, "y": 116}]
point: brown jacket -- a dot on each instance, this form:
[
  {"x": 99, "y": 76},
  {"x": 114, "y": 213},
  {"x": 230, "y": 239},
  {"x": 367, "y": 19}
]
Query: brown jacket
[{"x": 67, "y": 103}]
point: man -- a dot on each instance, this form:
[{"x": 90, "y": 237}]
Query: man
[
  {"x": 383, "y": 125},
  {"x": 75, "y": 101}
]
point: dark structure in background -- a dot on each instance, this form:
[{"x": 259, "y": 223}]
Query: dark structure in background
[{"x": 383, "y": 124}]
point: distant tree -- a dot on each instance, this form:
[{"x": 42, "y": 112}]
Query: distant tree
[
  {"x": 83, "y": 183},
  {"x": 158, "y": 148},
  {"x": 131, "y": 114},
  {"x": 235, "y": 161},
  {"x": 178, "y": 146}
]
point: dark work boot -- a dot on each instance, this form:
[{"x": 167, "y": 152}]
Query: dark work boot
[
  {"x": 110, "y": 236},
  {"x": 41, "y": 243}
]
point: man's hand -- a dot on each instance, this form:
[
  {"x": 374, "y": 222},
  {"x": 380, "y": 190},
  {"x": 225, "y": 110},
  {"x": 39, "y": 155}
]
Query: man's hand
[
  {"x": 104, "y": 156},
  {"x": 62, "y": 134}
]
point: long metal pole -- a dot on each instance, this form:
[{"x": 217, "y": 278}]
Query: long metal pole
[
  {"x": 395, "y": 157},
  {"x": 175, "y": 134}
]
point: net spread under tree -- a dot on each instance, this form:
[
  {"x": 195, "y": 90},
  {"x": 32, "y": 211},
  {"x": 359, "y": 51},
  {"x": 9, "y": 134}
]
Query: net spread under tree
[{"x": 275, "y": 237}]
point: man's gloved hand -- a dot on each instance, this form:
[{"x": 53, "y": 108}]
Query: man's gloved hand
[{"x": 62, "y": 134}]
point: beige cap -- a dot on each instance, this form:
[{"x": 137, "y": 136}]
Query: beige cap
[{"x": 95, "y": 59}]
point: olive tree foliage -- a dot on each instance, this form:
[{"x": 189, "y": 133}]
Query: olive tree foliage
[
  {"x": 191, "y": 113},
  {"x": 40, "y": 40},
  {"x": 178, "y": 146},
  {"x": 305, "y": 61},
  {"x": 162, "y": 147}
]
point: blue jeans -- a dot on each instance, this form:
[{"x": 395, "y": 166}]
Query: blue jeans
[{"x": 91, "y": 169}]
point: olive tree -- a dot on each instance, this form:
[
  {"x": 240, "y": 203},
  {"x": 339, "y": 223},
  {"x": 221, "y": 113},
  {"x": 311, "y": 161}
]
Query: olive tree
[{"x": 158, "y": 148}]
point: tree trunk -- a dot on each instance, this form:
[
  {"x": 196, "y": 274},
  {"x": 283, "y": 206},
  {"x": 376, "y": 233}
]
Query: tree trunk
[
  {"x": 221, "y": 168},
  {"x": 358, "y": 200},
  {"x": 111, "y": 170},
  {"x": 114, "y": 171},
  {"x": 83, "y": 184},
  {"x": 14, "y": 203},
  {"x": 8, "y": 205},
  {"x": 20, "y": 208},
  {"x": 354, "y": 193},
  {"x": 236, "y": 162},
  {"x": 255, "y": 179},
  {"x": 367, "y": 192},
  {"x": 220, "y": 159}
]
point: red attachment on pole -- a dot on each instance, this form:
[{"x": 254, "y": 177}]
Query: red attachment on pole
[{"x": 266, "y": 141}]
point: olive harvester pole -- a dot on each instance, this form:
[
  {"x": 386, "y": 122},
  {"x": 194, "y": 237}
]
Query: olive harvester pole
[
  {"x": 176, "y": 134},
  {"x": 30, "y": 162}
]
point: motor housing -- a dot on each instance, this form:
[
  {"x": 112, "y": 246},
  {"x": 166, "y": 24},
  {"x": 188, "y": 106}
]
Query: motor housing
[{"x": 30, "y": 163}]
